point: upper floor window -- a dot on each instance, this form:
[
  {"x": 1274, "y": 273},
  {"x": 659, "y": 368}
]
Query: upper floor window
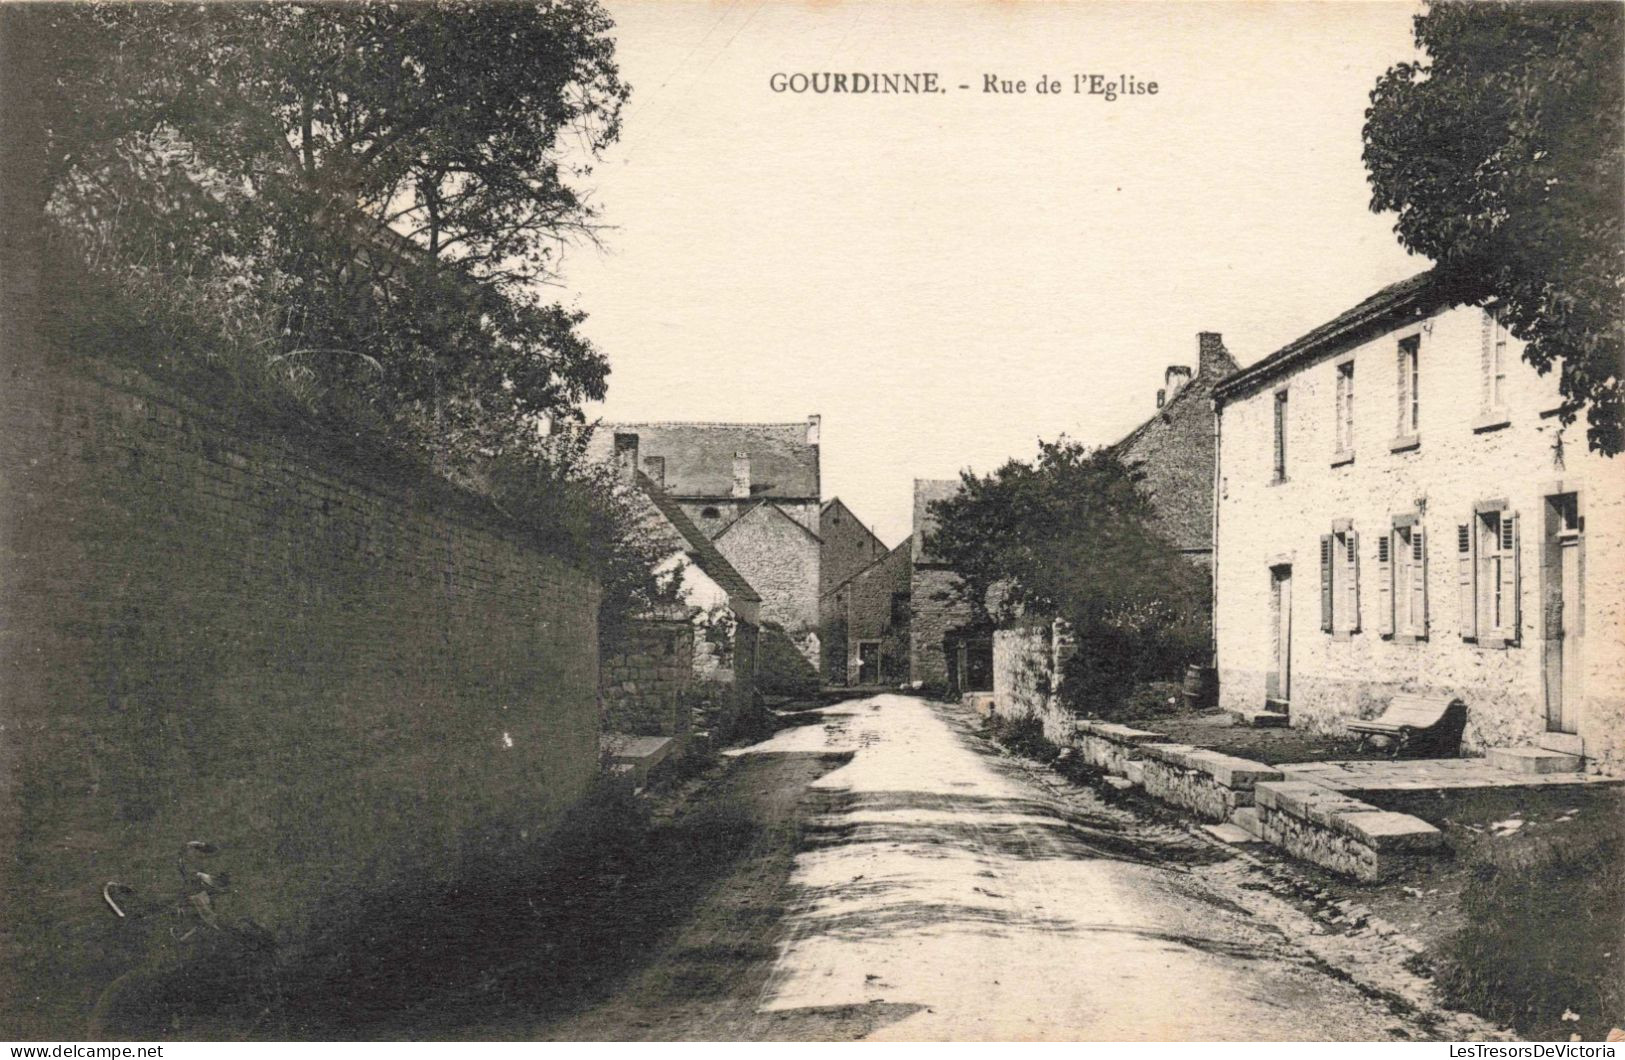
[
  {"x": 1492, "y": 392},
  {"x": 1280, "y": 436},
  {"x": 1345, "y": 408},
  {"x": 1410, "y": 379}
]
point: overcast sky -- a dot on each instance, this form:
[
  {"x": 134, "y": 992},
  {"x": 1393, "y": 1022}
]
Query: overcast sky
[{"x": 948, "y": 278}]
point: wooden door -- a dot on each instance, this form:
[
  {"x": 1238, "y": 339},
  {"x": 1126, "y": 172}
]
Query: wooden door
[
  {"x": 1562, "y": 613},
  {"x": 1278, "y": 684}
]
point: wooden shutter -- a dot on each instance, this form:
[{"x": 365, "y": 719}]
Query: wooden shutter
[
  {"x": 1466, "y": 588},
  {"x": 1354, "y": 581},
  {"x": 1385, "y": 585},
  {"x": 1510, "y": 581},
  {"x": 1326, "y": 582},
  {"x": 1404, "y": 392},
  {"x": 1419, "y": 580},
  {"x": 1486, "y": 359}
]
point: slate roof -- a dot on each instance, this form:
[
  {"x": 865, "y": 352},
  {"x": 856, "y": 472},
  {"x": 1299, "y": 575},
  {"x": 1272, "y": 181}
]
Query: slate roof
[
  {"x": 1412, "y": 298},
  {"x": 700, "y": 456},
  {"x": 693, "y": 541}
]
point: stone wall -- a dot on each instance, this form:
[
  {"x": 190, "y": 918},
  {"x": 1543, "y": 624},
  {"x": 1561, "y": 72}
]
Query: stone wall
[
  {"x": 1461, "y": 458},
  {"x": 646, "y": 672},
  {"x": 1024, "y": 679},
  {"x": 1174, "y": 451},
  {"x": 849, "y": 546},
  {"x": 872, "y": 615},
  {"x": 347, "y": 676},
  {"x": 780, "y": 560},
  {"x": 930, "y": 620}
]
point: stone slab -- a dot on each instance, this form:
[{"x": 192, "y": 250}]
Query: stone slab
[
  {"x": 1385, "y": 832},
  {"x": 1532, "y": 760},
  {"x": 1261, "y": 719},
  {"x": 1175, "y": 754},
  {"x": 1233, "y": 772},
  {"x": 1110, "y": 730}
]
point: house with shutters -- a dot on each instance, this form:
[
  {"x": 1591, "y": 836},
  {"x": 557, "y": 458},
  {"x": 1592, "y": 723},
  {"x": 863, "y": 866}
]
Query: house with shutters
[{"x": 1400, "y": 508}]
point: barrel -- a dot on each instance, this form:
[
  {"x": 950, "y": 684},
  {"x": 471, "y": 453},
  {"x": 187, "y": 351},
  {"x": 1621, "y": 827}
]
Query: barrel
[{"x": 1201, "y": 687}]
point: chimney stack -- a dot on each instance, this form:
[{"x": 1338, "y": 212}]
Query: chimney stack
[
  {"x": 741, "y": 474},
  {"x": 813, "y": 423},
  {"x": 626, "y": 456},
  {"x": 1175, "y": 378},
  {"x": 1210, "y": 355}
]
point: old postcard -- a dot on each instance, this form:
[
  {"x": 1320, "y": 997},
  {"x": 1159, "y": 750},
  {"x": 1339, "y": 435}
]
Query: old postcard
[{"x": 599, "y": 520}]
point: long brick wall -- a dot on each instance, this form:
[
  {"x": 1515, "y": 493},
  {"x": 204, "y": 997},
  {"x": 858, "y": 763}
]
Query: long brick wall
[{"x": 349, "y": 678}]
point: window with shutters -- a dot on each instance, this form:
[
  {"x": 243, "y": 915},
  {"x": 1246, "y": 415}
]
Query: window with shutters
[
  {"x": 1345, "y": 413},
  {"x": 1494, "y": 396},
  {"x": 1402, "y": 582},
  {"x": 1280, "y": 436},
  {"x": 1487, "y": 550},
  {"x": 1340, "y": 581}
]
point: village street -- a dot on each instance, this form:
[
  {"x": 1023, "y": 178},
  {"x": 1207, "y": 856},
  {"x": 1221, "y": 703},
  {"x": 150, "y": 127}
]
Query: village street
[{"x": 942, "y": 891}]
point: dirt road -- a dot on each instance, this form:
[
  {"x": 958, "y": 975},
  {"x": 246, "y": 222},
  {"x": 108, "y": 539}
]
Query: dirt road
[{"x": 913, "y": 883}]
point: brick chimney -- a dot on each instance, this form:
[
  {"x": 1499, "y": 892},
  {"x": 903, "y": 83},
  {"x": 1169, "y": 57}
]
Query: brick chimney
[
  {"x": 626, "y": 456},
  {"x": 1175, "y": 379},
  {"x": 813, "y": 423},
  {"x": 1212, "y": 359},
  {"x": 741, "y": 474},
  {"x": 655, "y": 468}
]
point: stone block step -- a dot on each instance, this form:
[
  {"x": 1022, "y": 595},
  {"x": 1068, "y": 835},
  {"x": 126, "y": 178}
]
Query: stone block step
[
  {"x": 1229, "y": 833},
  {"x": 1532, "y": 760},
  {"x": 1246, "y": 819},
  {"x": 1260, "y": 719},
  {"x": 1277, "y": 706}
]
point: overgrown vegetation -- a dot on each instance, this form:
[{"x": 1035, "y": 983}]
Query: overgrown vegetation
[
  {"x": 1543, "y": 935},
  {"x": 1022, "y": 735},
  {"x": 522, "y": 935},
  {"x": 1069, "y": 534},
  {"x": 781, "y": 668}
]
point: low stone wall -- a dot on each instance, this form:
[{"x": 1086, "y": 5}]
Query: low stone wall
[
  {"x": 1109, "y": 746},
  {"x": 1339, "y": 833},
  {"x": 645, "y": 673},
  {"x": 1207, "y": 783}
]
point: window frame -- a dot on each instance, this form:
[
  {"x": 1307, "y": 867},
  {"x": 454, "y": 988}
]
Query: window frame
[
  {"x": 1407, "y": 556},
  {"x": 1408, "y": 382},
  {"x": 1343, "y": 412},
  {"x": 1493, "y": 370}
]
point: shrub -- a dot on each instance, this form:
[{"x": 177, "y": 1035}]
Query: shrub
[{"x": 1023, "y": 736}]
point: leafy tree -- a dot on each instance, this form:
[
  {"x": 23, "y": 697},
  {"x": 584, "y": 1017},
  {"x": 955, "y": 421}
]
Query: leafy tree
[
  {"x": 1502, "y": 154},
  {"x": 359, "y": 201},
  {"x": 1069, "y": 535}
]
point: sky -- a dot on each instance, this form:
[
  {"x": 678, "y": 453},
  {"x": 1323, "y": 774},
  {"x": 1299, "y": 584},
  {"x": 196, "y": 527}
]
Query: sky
[{"x": 948, "y": 278}]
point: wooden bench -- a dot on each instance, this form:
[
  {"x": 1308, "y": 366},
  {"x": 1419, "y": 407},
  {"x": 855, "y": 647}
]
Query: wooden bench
[{"x": 1423, "y": 726}]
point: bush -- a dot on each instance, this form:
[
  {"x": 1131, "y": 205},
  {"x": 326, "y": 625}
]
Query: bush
[
  {"x": 781, "y": 668},
  {"x": 1023, "y": 736},
  {"x": 1541, "y": 936}
]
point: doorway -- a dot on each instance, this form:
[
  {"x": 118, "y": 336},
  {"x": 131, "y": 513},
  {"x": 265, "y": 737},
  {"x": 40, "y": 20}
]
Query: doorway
[
  {"x": 1562, "y": 611},
  {"x": 1278, "y": 680},
  {"x": 868, "y": 662}
]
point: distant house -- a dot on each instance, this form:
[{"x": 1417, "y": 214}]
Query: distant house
[
  {"x": 949, "y": 650},
  {"x": 1174, "y": 450},
  {"x": 848, "y": 547},
  {"x": 869, "y": 619},
  {"x": 1402, "y": 510},
  {"x": 699, "y": 651},
  {"x": 753, "y": 490}
]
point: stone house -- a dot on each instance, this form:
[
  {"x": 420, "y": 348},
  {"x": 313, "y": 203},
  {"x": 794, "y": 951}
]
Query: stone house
[
  {"x": 1174, "y": 450},
  {"x": 949, "y": 650},
  {"x": 869, "y": 614},
  {"x": 848, "y": 547},
  {"x": 753, "y": 490},
  {"x": 1401, "y": 509},
  {"x": 688, "y": 667}
]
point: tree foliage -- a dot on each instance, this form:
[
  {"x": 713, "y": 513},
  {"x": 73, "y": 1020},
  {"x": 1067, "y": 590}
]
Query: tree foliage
[
  {"x": 1069, "y": 535},
  {"x": 1502, "y": 155},
  {"x": 361, "y": 200}
]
